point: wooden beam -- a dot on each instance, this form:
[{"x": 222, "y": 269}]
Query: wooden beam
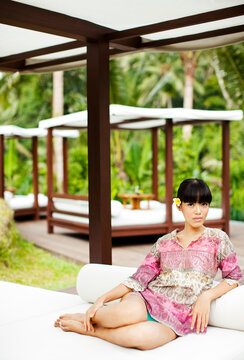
[
  {"x": 65, "y": 165},
  {"x": 100, "y": 241},
  {"x": 155, "y": 162},
  {"x": 49, "y": 178},
  {"x": 60, "y": 61},
  {"x": 169, "y": 171},
  {"x": 69, "y": 196},
  {"x": 197, "y": 36},
  {"x": 191, "y": 20},
  {"x": 51, "y": 22},
  {"x": 2, "y": 166},
  {"x": 44, "y": 51},
  {"x": 226, "y": 174},
  {"x": 35, "y": 175},
  {"x": 127, "y": 44},
  {"x": 49, "y": 63}
]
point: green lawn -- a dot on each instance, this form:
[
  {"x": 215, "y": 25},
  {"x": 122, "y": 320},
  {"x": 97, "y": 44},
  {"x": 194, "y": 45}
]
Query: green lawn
[{"x": 29, "y": 265}]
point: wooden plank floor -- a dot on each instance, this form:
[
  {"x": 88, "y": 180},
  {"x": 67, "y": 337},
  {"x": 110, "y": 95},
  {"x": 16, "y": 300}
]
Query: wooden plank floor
[{"x": 125, "y": 252}]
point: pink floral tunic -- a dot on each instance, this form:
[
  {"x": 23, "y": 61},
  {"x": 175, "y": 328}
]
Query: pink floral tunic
[{"x": 172, "y": 277}]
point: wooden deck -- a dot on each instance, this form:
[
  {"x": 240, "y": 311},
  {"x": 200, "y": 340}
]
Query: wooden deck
[{"x": 125, "y": 251}]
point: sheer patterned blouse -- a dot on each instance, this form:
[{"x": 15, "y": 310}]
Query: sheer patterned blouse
[{"x": 172, "y": 277}]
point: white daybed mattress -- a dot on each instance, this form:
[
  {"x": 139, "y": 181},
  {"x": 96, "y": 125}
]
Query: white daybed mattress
[
  {"x": 125, "y": 216},
  {"x": 27, "y": 315},
  {"x": 17, "y": 202}
]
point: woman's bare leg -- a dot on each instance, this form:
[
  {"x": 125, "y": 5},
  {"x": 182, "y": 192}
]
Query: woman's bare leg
[
  {"x": 145, "y": 335},
  {"x": 130, "y": 310}
]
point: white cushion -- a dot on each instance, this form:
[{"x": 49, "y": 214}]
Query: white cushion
[
  {"x": 153, "y": 204},
  {"x": 96, "y": 279},
  {"x": 8, "y": 195},
  {"x": 82, "y": 206},
  {"x": 227, "y": 311},
  {"x": 28, "y": 315},
  {"x": 116, "y": 208}
]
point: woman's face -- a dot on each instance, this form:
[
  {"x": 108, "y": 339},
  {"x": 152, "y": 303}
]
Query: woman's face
[{"x": 194, "y": 213}]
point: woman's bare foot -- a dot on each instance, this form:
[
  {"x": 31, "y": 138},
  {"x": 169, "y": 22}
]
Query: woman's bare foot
[
  {"x": 75, "y": 326},
  {"x": 77, "y": 317}
]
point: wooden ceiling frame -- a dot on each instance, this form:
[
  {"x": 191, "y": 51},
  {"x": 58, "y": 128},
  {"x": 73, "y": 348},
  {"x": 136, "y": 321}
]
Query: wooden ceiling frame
[
  {"x": 37, "y": 19},
  {"x": 44, "y": 51},
  {"x": 191, "y": 20}
]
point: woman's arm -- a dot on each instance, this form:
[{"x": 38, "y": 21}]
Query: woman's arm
[
  {"x": 114, "y": 294},
  {"x": 201, "y": 309},
  {"x": 217, "y": 291}
]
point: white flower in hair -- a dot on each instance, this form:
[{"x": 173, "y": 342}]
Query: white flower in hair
[{"x": 177, "y": 201}]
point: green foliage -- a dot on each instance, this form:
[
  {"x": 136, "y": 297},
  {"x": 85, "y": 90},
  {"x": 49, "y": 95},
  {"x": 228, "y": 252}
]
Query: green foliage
[
  {"x": 8, "y": 232},
  {"x": 75, "y": 90},
  {"x": 23, "y": 263},
  {"x": 34, "y": 267},
  {"x": 199, "y": 157},
  {"x": 78, "y": 167}
]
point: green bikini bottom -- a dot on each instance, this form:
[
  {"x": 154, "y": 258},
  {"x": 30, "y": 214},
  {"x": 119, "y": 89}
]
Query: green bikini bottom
[{"x": 149, "y": 318}]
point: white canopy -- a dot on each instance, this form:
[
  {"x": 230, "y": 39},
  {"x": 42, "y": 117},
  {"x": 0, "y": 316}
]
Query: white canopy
[
  {"x": 119, "y": 114},
  {"x": 25, "y": 27},
  {"x": 11, "y": 131}
]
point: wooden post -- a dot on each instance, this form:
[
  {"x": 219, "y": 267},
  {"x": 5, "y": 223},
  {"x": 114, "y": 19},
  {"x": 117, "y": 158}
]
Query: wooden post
[
  {"x": 226, "y": 174},
  {"x": 57, "y": 110},
  {"x": 155, "y": 162},
  {"x": 2, "y": 166},
  {"x": 49, "y": 178},
  {"x": 169, "y": 171},
  {"x": 35, "y": 175},
  {"x": 65, "y": 165},
  {"x": 100, "y": 241}
]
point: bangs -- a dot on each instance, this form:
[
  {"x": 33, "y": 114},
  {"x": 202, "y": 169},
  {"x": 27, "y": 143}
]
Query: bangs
[{"x": 194, "y": 190}]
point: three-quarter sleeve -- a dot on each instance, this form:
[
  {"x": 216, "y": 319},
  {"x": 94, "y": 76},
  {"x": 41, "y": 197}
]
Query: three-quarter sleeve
[
  {"x": 227, "y": 261},
  {"x": 147, "y": 272}
]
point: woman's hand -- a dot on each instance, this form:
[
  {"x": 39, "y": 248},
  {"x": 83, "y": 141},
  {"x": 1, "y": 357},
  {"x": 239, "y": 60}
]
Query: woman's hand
[
  {"x": 91, "y": 313},
  {"x": 200, "y": 312}
]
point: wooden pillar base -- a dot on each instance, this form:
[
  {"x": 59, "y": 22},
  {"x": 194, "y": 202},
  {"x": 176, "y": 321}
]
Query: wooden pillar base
[{"x": 50, "y": 229}]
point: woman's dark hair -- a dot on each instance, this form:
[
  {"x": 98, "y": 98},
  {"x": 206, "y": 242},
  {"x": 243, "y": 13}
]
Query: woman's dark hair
[{"x": 194, "y": 190}]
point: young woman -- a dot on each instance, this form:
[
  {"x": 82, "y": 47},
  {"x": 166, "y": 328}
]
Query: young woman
[{"x": 171, "y": 292}]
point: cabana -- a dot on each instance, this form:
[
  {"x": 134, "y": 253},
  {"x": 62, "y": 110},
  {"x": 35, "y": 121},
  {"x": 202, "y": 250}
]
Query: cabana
[
  {"x": 72, "y": 211},
  {"x": 31, "y": 204},
  {"x": 63, "y": 35},
  {"x": 59, "y": 35}
]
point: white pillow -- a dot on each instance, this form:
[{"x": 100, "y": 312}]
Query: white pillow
[
  {"x": 96, "y": 279},
  {"x": 82, "y": 206},
  {"x": 227, "y": 311},
  {"x": 116, "y": 208},
  {"x": 153, "y": 204},
  {"x": 8, "y": 195}
]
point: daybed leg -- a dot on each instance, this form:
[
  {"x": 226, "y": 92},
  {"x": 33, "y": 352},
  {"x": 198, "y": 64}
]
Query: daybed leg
[{"x": 49, "y": 228}]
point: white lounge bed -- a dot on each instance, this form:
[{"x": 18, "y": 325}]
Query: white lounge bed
[
  {"x": 25, "y": 204},
  {"x": 125, "y": 216},
  {"x": 27, "y": 315},
  {"x": 17, "y": 202}
]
